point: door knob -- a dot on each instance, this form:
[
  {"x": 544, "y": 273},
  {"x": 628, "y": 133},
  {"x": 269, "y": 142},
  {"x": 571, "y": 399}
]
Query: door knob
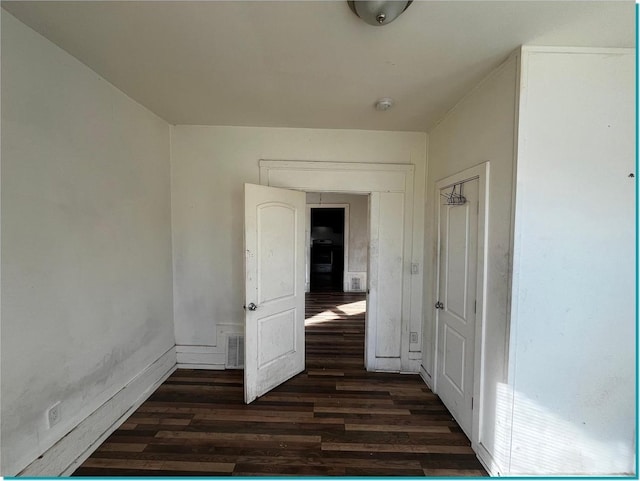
[
  {"x": 252, "y": 306},
  {"x": 439, "y": 305}
]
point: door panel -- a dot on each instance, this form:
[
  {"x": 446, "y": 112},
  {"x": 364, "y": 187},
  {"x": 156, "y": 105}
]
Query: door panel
[
  {"x": 390, "y": 243},
  {"x": 276, "y": 251},
  {"x": 458, "y": 242},
  {"x": 274, "y": 285},
  {"x": 453, "y": 362},
  {"x": 385, "y": 281},
  {"x": 456, "y": 249},
  {"x": 276, "y": 337}
]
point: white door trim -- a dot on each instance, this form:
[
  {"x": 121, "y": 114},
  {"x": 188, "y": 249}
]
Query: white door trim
[
  {"x": 480, "y": 172},
  {"x": 379, "y": 180},
  {"x": 345, "y": 241},
  {"x": 349, "y": 177}
]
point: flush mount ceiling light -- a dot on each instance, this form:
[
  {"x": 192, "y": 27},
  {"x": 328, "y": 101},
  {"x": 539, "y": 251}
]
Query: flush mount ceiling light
[{"x": 378, "y": 12}]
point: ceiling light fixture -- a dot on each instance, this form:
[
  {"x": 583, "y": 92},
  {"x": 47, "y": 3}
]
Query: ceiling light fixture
[
  {"x": 384, "y": 104},
  {"x": 378, "y": 12}
]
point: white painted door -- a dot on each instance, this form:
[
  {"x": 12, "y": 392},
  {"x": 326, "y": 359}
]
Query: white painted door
[
  {"x": 274, "y": 287},
  {"x": 383, "y": 348},
  {"x": 456, "y": 303}
]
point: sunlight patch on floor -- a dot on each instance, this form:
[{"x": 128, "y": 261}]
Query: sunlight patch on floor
[
  {"x": 354, "y": 308},
  {"x": 325, "y": 316},
  {"x": 350, "y": 309}
]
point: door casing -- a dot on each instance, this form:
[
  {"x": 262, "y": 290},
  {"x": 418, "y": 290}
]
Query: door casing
[{"x": 385, "y": 184}]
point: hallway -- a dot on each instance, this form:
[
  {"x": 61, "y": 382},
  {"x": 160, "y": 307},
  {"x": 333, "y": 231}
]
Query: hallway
[{"x": 333, "y": 419}]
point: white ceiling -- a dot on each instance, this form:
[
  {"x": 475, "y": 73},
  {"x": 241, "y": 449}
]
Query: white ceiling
[{"x": 311, "y": 64}]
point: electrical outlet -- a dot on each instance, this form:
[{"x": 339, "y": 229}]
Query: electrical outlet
[
  {"x": 414, "y": 338},
  {"x": 53, "y": 414}
]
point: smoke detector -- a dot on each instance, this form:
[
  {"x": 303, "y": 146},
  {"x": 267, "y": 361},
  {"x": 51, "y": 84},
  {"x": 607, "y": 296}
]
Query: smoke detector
[{"x": 384, "y": 104}]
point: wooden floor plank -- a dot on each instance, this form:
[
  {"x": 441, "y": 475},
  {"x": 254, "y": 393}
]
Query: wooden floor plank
[
  {"x": 239, "y": 436},
  {"x": 395, "y": 448},
  {"x": 334, "y": 419},
  {"x": 123, "y": 447},
  {"x": 455, "y": 472},
  {"x": 159, "y": 465},
  {"x": 114, "y": 472},
  {"x": 362, "y": 410},
  {"x": 391, "y": 428}
]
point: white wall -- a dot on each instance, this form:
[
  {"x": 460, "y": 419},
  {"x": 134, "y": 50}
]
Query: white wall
[
  {"x": 209, "y": 167},
  {"x": 480, "y": 128},
  {"x": 558, "y": 371},
  {"x": 573, "y": 322},
  {"x": 86, "y": 251},
  {"x": 358, "y": 231}
]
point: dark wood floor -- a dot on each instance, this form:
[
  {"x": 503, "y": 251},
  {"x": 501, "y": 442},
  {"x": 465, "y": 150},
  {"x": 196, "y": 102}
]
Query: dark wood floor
[{"x": 333, "y": 419}]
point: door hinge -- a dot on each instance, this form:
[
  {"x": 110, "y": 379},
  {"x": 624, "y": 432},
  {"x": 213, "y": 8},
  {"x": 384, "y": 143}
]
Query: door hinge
[
  {"x": 472, "y": 403},
  {"x": 475, "y": 303}
]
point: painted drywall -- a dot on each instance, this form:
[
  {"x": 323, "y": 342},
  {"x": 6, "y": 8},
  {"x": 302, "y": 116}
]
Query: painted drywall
[
  {"x": 358, "y": 230},
  {"x": 480, "y": 128},
  {"x": 209, "y": 167},
  {"x": 573, "y": 322},
  {"x": 86, "y": 243}
]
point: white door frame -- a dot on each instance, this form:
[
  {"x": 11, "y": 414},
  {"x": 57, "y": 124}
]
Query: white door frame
[
  {"x": 378, "y": 180},
  {"x": 345, "y": 241},
  {"x": 480, "y": 172}
]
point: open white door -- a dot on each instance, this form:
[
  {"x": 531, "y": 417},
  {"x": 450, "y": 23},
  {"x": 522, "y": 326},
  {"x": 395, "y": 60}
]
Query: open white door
[{"x": 274, "y": 287}]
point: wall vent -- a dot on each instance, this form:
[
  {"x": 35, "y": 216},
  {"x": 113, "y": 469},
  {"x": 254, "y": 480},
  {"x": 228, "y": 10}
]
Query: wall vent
[
  {"x": 235, "y": 352},
  {"x": 355, "y": 284}
]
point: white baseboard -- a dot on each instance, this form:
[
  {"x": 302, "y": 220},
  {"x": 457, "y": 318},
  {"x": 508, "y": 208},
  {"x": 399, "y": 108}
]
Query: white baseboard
[
  {"x": 208, "y": 357},
  {"x": 485, "y": 458},
  {"x": 72, "y": 450},
  {"x": 395, "y": 364},
  {"x": 206, "y": 367},
  {"x": 201, "y": 357},
  {"x": 426, "y": 377},
  {"x": 387, "y": 364},
  {"x": 411, "y": 366}
]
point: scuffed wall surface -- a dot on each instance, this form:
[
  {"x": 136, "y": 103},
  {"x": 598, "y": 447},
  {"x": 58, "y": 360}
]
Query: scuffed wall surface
[
  {"x": 86, "y": 242},
  {"x": 209, "y": 168},
  {"x": 573, "y": 318},
  {"x": 481, "y": 128}
]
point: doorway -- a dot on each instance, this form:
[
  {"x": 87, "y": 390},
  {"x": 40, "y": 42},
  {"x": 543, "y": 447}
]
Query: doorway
[
  {"x": 327, "y": 249},
  {"x": 337, "y": 242},
  {"x": 273, "y": 339},
  {"x": 335, "y": 304}
]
